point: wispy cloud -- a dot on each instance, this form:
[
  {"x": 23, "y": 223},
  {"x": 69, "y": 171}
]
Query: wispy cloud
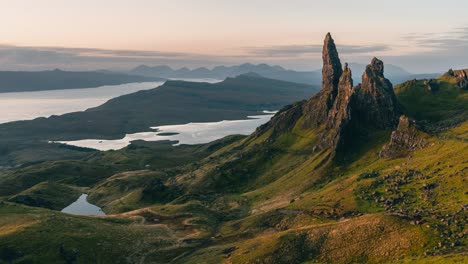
[
  {"x": 304, "y": 50},
  {"x": 428, "y": 52},
  {"x": 34, "y": 58},
  {"x": 453, "y": 40}
]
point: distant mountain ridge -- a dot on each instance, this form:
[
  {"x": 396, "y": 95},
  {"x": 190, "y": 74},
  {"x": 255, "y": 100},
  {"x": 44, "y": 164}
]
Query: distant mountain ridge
[
  {"x": 21, "y": 81},
  {"x": 394, "y": 73},
  {"x": 223, "y": 72}
]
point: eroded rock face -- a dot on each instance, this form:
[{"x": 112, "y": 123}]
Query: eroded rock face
[
  {"x": 376, "y": 100},
  {"x": 332, "y": 69},
  {"x": 461, "y": 76},
  {"x": 339, "y": 116},
  {"x": 404, "y": 139},
  {"x": 341, "y": 111},
  {"x": 318, "y": 106}
]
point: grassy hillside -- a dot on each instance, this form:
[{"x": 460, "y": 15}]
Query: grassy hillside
[
  {"x": 267, "y": 198},
  {"x": 444, "y": 102},
  {"x": 176, "y": 102},
  {"x": 372, "y": 209}
]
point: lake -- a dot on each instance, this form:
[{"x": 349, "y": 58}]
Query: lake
[
  {"x": 30, "y": 105},
  {"x": 83, "y": 207},
  {"x": 191, "y": 133}
]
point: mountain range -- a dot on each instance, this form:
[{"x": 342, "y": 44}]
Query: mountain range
[{"x": 394, "y": 73}]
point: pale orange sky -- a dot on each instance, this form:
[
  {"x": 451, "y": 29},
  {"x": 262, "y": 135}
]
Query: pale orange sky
[{"x": 225, "y": 28}]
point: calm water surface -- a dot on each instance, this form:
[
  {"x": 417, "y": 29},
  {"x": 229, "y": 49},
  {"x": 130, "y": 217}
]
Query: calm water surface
[
  {"x": 82, "y": 207},
  {"x": 191, "y": 133},
  {"x": 30, "y": 105}
]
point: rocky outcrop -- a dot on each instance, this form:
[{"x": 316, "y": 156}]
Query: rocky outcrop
[
  {"x": 404, "y": 139},
  {"x": 317, "y": 108},
  {"x": 341, "y": 111},
  {"x": 339, "y": 116},
  {"x": 332, "y": 69},
  {"x": 376, "y": 100},
  {"x": 461, "y": 77}
]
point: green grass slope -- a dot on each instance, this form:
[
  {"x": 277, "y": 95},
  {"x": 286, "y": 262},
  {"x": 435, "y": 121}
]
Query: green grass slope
[
  {"x": 444, "y": 102},
  {"x": 266, "y": 198}
]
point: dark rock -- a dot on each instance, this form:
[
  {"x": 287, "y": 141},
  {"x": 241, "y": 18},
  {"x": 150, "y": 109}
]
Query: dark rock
[
  {"x": 461, "y": 77},
  {"x": 317, "y": 107},
  {"x": 376, "y": 100},
  {"x": 403, "y": 140},
  {"x": 341, "y": 113},
  {"x": 339, "y": 117}
]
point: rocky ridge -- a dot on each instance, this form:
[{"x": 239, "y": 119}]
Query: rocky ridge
[
  {"x": 461, "y": 77},
  {"x": 341, "y": 108}
]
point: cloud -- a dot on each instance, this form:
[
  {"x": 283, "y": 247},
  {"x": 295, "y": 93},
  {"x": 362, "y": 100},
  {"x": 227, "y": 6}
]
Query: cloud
[
  {"x": 304, "y": 50},
  {"x": 38, "y": 58},
  {"x": 427, "y": 52},
  {"x": 452, "y": 41}
]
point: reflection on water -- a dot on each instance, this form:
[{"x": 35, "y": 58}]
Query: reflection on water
[
  {"x": 191, "y": 133},
  {"x": 30, "y": 105},
  {"x": 82, "y": 207}
]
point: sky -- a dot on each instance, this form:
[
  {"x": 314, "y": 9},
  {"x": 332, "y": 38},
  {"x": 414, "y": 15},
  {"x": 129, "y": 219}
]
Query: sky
[{"x": 419, "y": 35}]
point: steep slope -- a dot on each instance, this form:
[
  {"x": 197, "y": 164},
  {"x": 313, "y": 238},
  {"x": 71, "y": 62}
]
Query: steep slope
[{"x": 436, "y": 102}]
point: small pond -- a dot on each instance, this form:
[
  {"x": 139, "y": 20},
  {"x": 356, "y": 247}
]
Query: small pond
[{"x": 82, "y": 207}]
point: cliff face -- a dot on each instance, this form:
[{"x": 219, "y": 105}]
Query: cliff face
[
  {"x": 376, "y": 101},
  {"x": 339, "y": 117},
  {"x": 339, "y": 108},
  {"x": 317, "y": 108}
]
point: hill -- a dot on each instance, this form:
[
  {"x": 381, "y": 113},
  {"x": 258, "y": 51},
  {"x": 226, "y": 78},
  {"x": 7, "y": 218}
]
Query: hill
[
  {"x": 175, "y": 102},
  {"x": 56, "y": 80},
  {"x": 222, "y": 72},
  {"x": 343, "y": 177},
  {"x": 394, "y": 73}
]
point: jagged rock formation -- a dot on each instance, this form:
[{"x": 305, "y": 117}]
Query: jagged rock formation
[
  {"x": 339, "y": 116},
  {"x": 339, "y": 110},
  {"x": 376, "y": 100},
  {"x": 371, "y": 104},
  {"x": 318, "y": 106},
  {"x": 404, "y": 139},
  {"x": 461, "y": 76}
]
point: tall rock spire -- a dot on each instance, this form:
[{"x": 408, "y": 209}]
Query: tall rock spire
[
  {"x": 340, "y": 111},
  {"x": 336, "y": 132},
  {"x": 377, "y": 103},
  {"x": 318, "y": 106},
  {"x": 332, "y": 69}
]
